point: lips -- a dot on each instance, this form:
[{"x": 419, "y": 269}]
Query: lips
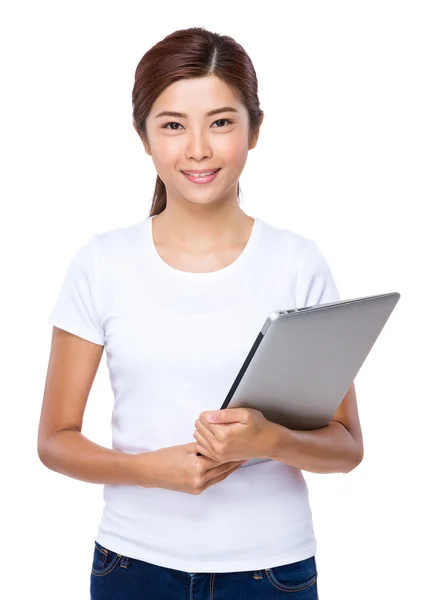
[
  {"x": 200, "y": 178},
  {"x": 200, "y": 173}
]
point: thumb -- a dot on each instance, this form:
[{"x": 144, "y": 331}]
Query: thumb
[
  {"x": 231, "y": 415},
  {"x": 191, "y": 447}
]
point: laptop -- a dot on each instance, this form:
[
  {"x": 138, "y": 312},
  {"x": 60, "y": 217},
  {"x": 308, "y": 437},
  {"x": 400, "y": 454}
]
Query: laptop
[{"x": 304, "y": 360}]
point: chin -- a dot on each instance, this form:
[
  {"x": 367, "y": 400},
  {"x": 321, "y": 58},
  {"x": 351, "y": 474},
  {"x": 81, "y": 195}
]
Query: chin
[{"x": 200, "y": 199}]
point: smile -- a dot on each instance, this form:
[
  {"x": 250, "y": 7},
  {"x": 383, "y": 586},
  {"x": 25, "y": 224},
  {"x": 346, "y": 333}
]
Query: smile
[{"x": 201, "y": 177}]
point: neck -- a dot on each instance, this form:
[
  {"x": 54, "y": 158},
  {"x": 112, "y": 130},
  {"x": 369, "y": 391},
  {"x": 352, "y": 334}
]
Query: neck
[{"x": 203, "y": 225}]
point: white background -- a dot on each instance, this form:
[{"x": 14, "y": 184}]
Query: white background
[{"x": 345, "y": 156}]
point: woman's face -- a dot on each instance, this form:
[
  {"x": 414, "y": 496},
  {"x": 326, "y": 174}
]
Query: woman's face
[{"x": 192, "y": 139}]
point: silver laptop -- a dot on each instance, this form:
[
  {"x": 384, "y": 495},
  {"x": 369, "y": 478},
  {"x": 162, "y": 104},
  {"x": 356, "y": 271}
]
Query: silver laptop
[{"x": 304, "y": 360}]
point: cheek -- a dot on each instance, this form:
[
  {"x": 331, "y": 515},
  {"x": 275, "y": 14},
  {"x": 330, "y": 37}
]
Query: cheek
[
  {"x": 165, "y": 153},
  {"x": 235, "y": 151}
]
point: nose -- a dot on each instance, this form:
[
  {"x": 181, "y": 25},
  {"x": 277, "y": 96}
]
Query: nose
[{"x": 198, "y": 145}]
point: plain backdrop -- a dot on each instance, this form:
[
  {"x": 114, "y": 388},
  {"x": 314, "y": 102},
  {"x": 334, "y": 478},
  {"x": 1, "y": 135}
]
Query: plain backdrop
[{"x": 345, "y": 157}]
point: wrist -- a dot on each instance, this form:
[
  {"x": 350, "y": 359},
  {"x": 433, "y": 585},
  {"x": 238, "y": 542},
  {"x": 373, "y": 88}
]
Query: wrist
[
  {"x": 127, "y": 465},
  {"x": 141, "y": 469},
  {"x": 271, "y": 440}
]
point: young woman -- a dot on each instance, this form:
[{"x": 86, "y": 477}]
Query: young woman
[{"x": 176, "y": 301}]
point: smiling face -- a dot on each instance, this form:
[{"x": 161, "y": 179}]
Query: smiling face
[{"x": 199, "y": 125}]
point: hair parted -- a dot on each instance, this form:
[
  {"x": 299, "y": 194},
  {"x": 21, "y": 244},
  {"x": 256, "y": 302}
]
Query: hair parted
[{"x": 186, "y": 54}]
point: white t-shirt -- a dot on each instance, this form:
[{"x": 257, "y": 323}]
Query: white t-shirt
[{"x": 174, "y": 342}]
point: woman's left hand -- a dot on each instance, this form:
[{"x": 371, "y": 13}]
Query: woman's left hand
[{"x": 235, "y": 434}]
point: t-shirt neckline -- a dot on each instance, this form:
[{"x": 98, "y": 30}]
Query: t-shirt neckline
[{"x": 230, "y": 269}]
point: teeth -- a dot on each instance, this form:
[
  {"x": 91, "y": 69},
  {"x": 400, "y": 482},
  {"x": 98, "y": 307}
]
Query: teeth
[{"x": 200, "y": 174}]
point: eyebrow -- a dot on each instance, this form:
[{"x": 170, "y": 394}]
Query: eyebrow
[{"x": 216, "y": 111}]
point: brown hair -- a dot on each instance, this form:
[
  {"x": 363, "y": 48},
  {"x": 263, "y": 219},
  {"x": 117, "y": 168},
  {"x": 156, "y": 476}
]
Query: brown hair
[{"x": 185, "y": 54}]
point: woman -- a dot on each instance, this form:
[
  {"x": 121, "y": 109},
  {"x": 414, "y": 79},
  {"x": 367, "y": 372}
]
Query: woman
[{"x": 176, "y": 301}]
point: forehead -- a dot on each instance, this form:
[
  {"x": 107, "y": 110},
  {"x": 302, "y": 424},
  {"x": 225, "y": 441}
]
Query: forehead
[{"x": 196, "y": 96}]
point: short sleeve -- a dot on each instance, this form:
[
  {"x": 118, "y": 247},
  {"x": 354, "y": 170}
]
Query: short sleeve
[
  {"x": 315, "y": 283},
  {"x": 75, "y": 309}
]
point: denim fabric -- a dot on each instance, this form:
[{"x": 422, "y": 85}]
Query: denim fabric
[{"x": 116, "y": 577}]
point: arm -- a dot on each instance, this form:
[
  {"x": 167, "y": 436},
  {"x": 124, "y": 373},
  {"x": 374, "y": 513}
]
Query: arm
[
  {"x": 61, "y": 445},
  {"x": 240, "y": 433},
  {"x": 336, "y": 448}
]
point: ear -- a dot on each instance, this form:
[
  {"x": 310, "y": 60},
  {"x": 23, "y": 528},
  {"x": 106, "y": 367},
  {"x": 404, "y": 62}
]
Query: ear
[
  {"x": 145, "y": 145},
  {"x": 254, "y": 137},
  {"x": 143, "y": 140}
]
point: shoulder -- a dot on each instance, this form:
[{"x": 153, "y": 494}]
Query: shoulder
[
  {"x": 109, "y": 253},
  {"x": 301, "y": 256},
  {"x": 119, "y": 239},
  {"x": 294, "y": 245}
]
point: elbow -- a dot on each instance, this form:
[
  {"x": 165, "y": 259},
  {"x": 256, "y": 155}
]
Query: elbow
[
  {"x": 354, "y": 459},
  {"x": 43, "y": 453},
  {"x": 46, "y": 450},
  {"x": 51, "y": 448},
  {"x": 355, "y": 451}
]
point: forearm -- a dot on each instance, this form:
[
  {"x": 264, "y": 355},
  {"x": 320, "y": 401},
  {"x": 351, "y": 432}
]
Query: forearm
[
  {"x": 69, "y": 452},
  {"x": 331, "y": 449}
]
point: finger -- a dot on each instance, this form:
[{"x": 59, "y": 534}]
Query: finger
[
  {"x": 229, "y": 415},
  {"x": 204, "y": 446},
  {"x": 205, "y": 430},
  {"x": 212, "y": 433},
  {"x": 221, "y": 469},
  {"x": 192, "y": 448},
  {"x": 221, "y": 477},
  {"x": 211, "y": 440},
  {"x": 205, "y": 425}
]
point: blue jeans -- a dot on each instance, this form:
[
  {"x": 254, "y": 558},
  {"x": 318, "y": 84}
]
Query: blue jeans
[{"x": 116, "y": 577}]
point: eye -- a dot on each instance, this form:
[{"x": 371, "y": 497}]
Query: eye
[
  {"x": 222, "y": 121},
  {"x": 172, "y": 123},
  {"x": 169, "y": 125}
]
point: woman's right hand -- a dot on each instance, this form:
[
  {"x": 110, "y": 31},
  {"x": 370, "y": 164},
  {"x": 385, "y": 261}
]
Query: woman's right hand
[{"x": 178, "y": 468}]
